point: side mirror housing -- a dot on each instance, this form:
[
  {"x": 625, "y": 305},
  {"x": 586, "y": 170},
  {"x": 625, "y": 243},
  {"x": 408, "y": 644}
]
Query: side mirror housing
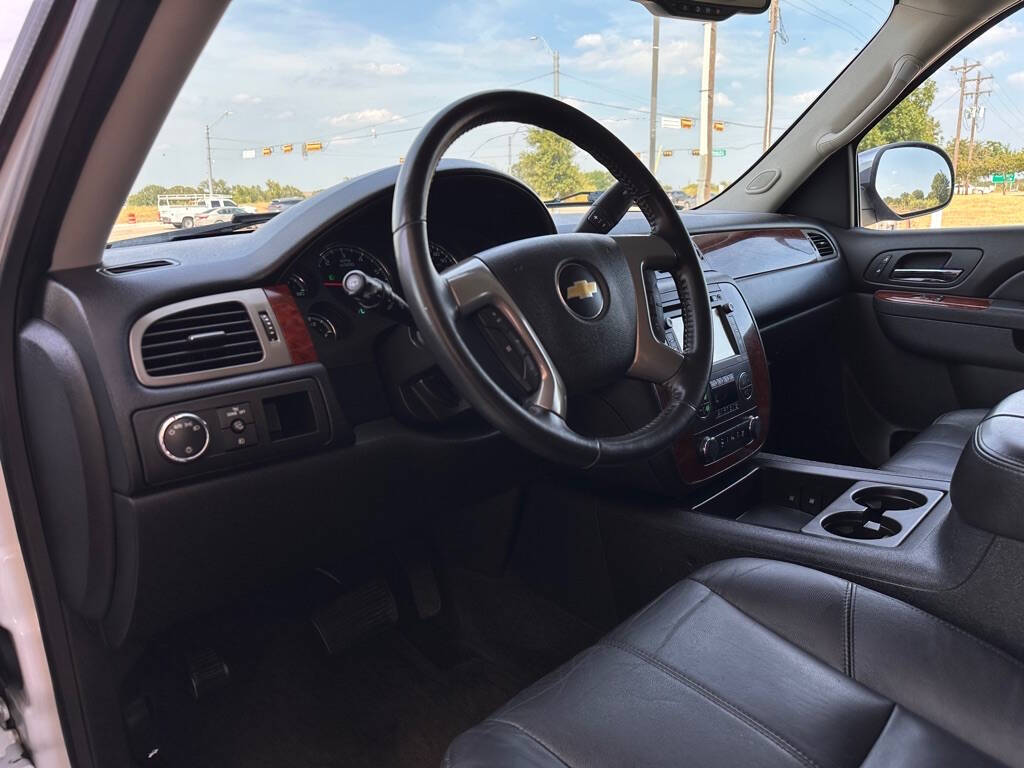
[{"x": 903, "y": 180}]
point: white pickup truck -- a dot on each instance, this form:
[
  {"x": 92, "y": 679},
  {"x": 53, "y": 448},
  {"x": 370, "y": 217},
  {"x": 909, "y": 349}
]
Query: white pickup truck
[{"x": 181, "y": 210}]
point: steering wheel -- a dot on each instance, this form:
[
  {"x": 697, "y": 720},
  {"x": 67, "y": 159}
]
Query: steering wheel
[{"x": 573, "y": 308}]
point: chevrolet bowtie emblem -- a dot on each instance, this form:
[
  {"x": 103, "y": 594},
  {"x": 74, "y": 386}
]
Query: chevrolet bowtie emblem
[{"x": 581, "y": 289}]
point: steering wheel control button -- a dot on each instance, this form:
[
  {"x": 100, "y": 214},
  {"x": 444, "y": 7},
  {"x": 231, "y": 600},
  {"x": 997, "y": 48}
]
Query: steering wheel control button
[
  {"x": 509, "y": 348},
  {"x": 746, "y": 385},
  {"x": 183, "y": 437},
  {"x": 227, "y": 416},
  {"x": 580, "y": 291}
]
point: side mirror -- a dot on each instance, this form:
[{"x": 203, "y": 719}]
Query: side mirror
[{"x": 903, "y": 180}]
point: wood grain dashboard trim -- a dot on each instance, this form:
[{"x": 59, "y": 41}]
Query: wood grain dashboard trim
[
  {"x": 745, "y": 252},
  {"x": 292, "y": 324},
  {"x": 933, "y": 300}
]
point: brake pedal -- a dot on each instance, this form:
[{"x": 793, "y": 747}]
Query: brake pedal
[{"x": 356, "y": 616}]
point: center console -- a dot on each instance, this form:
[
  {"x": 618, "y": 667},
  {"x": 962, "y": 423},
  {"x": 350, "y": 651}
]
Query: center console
[{"x": 733, "y": 417}]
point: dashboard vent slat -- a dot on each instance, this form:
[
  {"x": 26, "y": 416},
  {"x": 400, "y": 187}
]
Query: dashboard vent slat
[
  {"x": 821, "y": 243},
  {"x": 201, "y": 339}
]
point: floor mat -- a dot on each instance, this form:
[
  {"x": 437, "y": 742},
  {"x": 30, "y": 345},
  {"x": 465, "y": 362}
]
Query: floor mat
[{"x": 383, "y": 703}]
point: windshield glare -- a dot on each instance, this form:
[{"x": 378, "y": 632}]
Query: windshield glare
[{"x": 289, "y": 98}]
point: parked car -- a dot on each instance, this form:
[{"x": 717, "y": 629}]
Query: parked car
[
  {"x": 280, "y": 203},
  {"x": 182, "y": 210},
  {"x": 681, "y": 200},
  {"x": 214, "y": 215}
]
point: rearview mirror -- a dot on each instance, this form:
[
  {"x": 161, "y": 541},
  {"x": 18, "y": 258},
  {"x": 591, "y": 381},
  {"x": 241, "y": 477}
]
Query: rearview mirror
[
  {"x": 717, "y": 10},
  {"x": 903, "y": 180}
]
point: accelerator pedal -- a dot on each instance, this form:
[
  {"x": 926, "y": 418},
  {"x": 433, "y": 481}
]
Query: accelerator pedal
[
  {"x": 207, "y": 672},
  {"x": 356, "y": 616}
]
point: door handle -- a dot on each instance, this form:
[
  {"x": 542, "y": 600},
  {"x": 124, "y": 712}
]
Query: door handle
[{"x": 925, "y": 275}]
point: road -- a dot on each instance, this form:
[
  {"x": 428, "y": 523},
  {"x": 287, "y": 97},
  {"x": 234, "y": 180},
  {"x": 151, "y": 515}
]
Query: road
[{"x": 125, "y": 231}]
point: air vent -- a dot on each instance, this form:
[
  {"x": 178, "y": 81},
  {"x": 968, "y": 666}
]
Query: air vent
[
  {"x": 821, "y": 243},
  {"x": 124, "y": 269},
  {"x": 200, "y": 339}
]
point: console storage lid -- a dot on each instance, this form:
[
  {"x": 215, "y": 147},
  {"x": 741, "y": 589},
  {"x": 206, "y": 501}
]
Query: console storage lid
[{"x": 988, "y": 484}]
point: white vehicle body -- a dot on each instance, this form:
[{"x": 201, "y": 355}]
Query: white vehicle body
[{"x": 181, "y": 210}]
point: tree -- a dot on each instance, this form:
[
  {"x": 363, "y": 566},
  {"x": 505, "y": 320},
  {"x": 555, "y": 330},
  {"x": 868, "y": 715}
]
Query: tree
[
  {"x": 597, "y": 180},
  {"x": 549, "y": 165},
  {"x": 940, "y": 187},
  {"x": 907, "y": 121}
]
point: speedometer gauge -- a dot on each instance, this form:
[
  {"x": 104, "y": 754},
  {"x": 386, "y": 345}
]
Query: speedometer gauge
[{"x": 336, "y": 261}]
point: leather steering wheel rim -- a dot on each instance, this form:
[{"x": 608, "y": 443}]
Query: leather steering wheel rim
[{"x": 438, "y": 302}]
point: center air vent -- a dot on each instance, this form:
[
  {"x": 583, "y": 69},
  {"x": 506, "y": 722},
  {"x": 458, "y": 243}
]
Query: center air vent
[
  {"x": 200, "y": 339},
  {"x": 821, "y": 243}
]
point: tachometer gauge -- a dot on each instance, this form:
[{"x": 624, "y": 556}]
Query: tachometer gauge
[
  {"x": 336, "y": 261},
  {"x": 442, "y": 257},
  {"x": 321, "y": 326}
]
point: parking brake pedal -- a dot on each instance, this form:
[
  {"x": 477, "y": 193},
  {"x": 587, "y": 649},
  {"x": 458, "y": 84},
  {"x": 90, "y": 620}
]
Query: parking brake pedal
[{"x": 356, "y": 615}]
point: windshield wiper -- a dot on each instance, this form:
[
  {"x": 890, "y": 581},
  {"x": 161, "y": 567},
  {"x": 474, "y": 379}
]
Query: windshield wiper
[{"x": 240, "y": 221}]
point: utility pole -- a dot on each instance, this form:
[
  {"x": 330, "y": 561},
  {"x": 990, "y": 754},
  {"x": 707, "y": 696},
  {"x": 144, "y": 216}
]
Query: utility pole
[
  {"x": 978, "y": 79},
  {"x": 962, "y": 71},
  {"x": 209, "y": 152},
  {"x": 707, "y": 101},
  {"x": 651, "y": 158},
  {"x": 555, "y": 63},
  {"x": 769, "y": 96}
]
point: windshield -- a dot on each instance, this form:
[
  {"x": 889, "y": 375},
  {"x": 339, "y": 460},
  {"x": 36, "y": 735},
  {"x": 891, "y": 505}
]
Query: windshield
[{"x": 289, "y": 98}]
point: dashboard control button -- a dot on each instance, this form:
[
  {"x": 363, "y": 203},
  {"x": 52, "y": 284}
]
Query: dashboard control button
[
  {"x": 183, "y": 437},
  {"x": 238, "y": 426},
  {"x": 234, "y": 440},
  {"x": 241, "y": 411},
  {"x": 709, "y": 449},
  {"x": 746, "y": 385}
]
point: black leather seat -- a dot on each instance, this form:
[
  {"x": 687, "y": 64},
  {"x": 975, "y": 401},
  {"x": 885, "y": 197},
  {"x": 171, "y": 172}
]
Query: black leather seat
[
  {"x": 934, "y": 452},
  {"x": 761, "y": 663}
]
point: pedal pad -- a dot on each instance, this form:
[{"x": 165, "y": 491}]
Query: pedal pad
[
  {"x": 356, "y": 615},
  {"x": 423, "y": 584},
  {"x": 207, "y": 672}
]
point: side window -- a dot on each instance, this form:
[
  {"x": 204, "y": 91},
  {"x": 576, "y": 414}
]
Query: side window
[{"x": 973, "y": 109}]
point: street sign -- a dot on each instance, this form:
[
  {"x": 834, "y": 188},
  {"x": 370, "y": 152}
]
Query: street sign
[
  {"x": 669, "y": 122},
  {"x": 1004, "y": 178},
  {"x": 718, "y": 153},
  {"x": 248, "y": 154}
]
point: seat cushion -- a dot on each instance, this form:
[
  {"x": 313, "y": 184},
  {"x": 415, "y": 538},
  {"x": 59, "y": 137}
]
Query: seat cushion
[
  {"x": 935, "y": 452},
  {"x": 757, "y": 662}
]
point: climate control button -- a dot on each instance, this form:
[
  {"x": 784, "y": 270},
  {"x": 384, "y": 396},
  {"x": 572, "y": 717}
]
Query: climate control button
[{"x": 184, "y": 437}]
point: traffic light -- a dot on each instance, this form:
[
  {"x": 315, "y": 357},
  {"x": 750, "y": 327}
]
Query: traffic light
[
  {"x": 666, "y": 153},
  {"x": 268, "y": 151},
  {"x": 686, "y": 122},
  {"x": 718, "y": 125},
  {"x": 313, "y": 146},
  {"x": 287, "y": 148}
]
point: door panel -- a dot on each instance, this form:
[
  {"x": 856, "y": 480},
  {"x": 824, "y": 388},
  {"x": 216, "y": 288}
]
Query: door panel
[{"x": 936, "y": 324}]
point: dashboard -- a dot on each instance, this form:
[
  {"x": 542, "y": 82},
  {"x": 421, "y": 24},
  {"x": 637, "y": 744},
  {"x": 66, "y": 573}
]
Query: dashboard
[{"x": 192, "y": 486}]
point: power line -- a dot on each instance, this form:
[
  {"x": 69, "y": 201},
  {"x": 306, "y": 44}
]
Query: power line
[{"x": 834, "y": 21}]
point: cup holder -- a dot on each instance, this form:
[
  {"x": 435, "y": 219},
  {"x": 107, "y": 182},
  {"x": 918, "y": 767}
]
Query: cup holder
[
  {"x": 881, "y": 515},
  {"x": 884, "y": 499},
  {"x": 860, "y": 525}
]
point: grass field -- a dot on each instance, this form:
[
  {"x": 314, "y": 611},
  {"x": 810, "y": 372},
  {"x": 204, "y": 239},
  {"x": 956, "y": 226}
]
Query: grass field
[{"x": 991, "y": 210}]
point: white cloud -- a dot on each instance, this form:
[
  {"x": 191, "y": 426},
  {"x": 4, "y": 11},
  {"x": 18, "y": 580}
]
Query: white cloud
[
  {"x": 804, "y": 50},
  {"x": 736, "y": 85},
  {"x": 285, "y": 114},
  {"x": 722, "y": 99},
  {"x": 365, "y": 116},
  {"x": 245, "y": 98},
  {"x": 1007, "y": 30},
  {"x": 1016, "y": 77},
  {"x": 995, "y": 58},
  {"x": 387, "y": 69},
  {"x": 589, "y": 40},
  {"x": 803, "y": 98}
]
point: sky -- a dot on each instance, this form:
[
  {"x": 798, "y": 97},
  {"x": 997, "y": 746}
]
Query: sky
[{"x": 364, "y": 77}]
